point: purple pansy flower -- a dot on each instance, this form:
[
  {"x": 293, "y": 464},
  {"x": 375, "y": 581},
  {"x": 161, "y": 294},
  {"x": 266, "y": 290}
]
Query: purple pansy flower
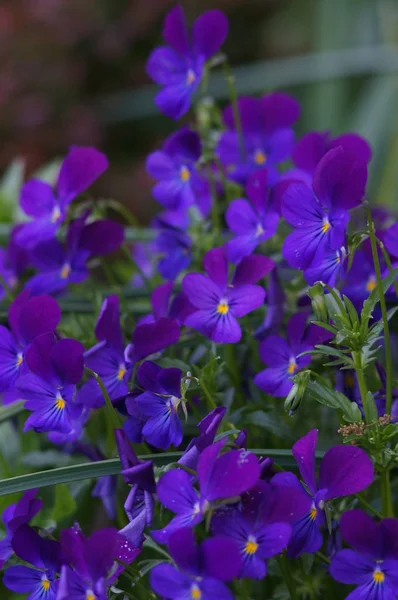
[
  {"x": 163, "y": 306},
  {"x": 220, "y": 304},
  {"x": 49, "y": 389},
  {"x": 107, "y": 358},
  {"x": 361, "y": 278},
  {"x": 45, "y": 556},
  {"x": 282, "y": 356},
  {"x": 174, "y": 167},
  {"x": 13, "y": 262},
  {"x": 344, "y": 470},
  {"x": 220, "y": 477},
  {"x": 373, "y": 564},
  {"x": 268, "y": 137},
  {"x": 79, "y": 170},
  {"x": 208, "y": 427},
  {"x": 320, "y": 215},
  {"x": 202, "y": 570},
  {"x": 179, "y": 66},
  {"x": 143, "y": 256},
  {"x": 327, "y": 266},
  {"x": 14, "y": 517},
  {"x": 276, "y": 300},
  {"x": 28, "y": 318},
  {"x": 252, "y": 222},
  {"x": 150, "y": 338},
  {"x": 60, "y": 266},
  {"x": 173, "y": 243}
]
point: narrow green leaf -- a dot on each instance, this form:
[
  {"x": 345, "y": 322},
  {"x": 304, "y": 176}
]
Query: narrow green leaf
[{"x": 12, "y": 410}]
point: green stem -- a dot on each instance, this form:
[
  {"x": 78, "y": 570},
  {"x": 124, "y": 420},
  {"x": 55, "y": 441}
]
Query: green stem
[
  {"x": 357, "y": 358},
  {"x": 322, "y": 557},
  {"x": 123, "y": 211},
  {"x": 284, "y": 566},
  {"x": 113, "y": 414},
  {"x": 210, "y": 399},
  {"x": 388, "y": 263},
  {"x": 387, "y": 343},
  {"x": 177, "y": 465},
  {"x": 235, "y": 108},
  {"x": 7, "y": 288},
  {"x": 386, "y": 501},
  {"x": 367, "y": 505}
]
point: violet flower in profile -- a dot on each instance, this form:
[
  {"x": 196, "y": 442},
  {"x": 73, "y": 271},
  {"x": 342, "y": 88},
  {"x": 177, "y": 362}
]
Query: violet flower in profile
[
  {"x": 252, "y": 222},
  {"x": 268, "y": 137},
  {"x": 220, "y": 477},
  {"x": 180, "y": 183},
  {"x": 16, "y": 515},
  {"x": 320, "y": 215},
  {"x": 179, "y": 66},
  {"x": 344, "y": 471},
  {"x": 360, "y": 281},
  {"x": 208, "y": 427},
  {"x": 48, "y": 207},
  {"x": 201, "y": 571},
  {"x": 150, "y": 338},
  {"x": 159, "y": 404},
  {"x": 164, "y": 305},
  {"x": 373, "y": 564},
  {"x": 49, "y": 389},
  {"x": 328, "y": 266},
  {"x": 28, "y": 317},
  {"x": 107, "y": 358},
  {"x": 143, "y": 255},
  {"x": 220, "y": 304},
  {"x": 60, "y": 265},
  {"x": 282, "y": 356},
  {"x": 173, "y": 243},
  {"x": 44, "y": 555}
]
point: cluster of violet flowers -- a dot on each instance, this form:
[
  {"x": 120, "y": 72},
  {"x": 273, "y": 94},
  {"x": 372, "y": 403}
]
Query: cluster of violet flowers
[{"x": 264, "y": 260}]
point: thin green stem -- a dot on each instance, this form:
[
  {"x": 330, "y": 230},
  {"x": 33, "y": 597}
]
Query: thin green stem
[
  {"x": 113, "y": 414},
  {"x": 367, "y": 505},
  {"x": 235, "y": 108},
  {"x": 357, "y": 358},
  {"x": 388, "y": 263},
  {"x": 284, "y": 566},
  {"x": 123, "y": 211},
  {"x": 177, "y": 465},
  {"x": 323, "y": 558},
  {"x": 386, "y": 500},
  {"x": 210, "y": 400},
  {"x": 7, "y": 288},
  {"x": 387, "y": 342}
]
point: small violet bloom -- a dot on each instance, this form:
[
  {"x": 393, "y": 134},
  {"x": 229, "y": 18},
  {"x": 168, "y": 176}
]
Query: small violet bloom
[
  {"x": 219, "y": 304},
  {"x": 48, "y": 207},
  {"x": 28, "y": 317},
  {"x": 173, "y": 243},
  {"x": 268, "y": 137},
  {"x": 49, "y": 389},
  {"x": 220, "y": 477},
  {"x": 282, "y": 356},
  {"x": 179, "y": 66},
  {"x": 373, "y": 564},
  {"x": 320, "y": 215},
  {"x": 208, "y": 427},
  {"x": 344, "y": 471},
  {"x": 202, "y": 570},
  {"x": 327, "y": 266},
  {"x": 164, "y": 306},
  {"x": 252, "y": 222},
  {"x": 180, "y": 183}
]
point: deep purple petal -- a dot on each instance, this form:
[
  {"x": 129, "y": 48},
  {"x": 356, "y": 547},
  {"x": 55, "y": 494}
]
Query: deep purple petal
[
  {"x": 183, "y": 550},
  {"x": 23, "y": 580},
  {"x": 26, "y": 544},
  {"x": 309, "y": 150},
  {"x": 67, "y": 360},
  {"x": 244, "y": 299},
  {"x": 108, "y": 323},
  {"x": 29, "y": 235},
  {"x": 38, "y": 356},
  {"x": 275, "y": 351},
  {"x": 176, "y": 493},
  {"x": 37, "y": 199},
  {"x": 174, "y": 100},
  {"x": 215, "y": 264},
  {"x": 249, "y": 110},
  {"x": 350, "y": 567},
  {"x": 209, "y": 32},
  {"x": 241, "y": 246},
  {"x": 274, "y": 381},
  {"x": 160, "y": 299},
  {"x": 295, "y": 329},
  {"x": 304, "y": 454},
  {"x": 175, "y": 30},
  {"x": 101, "y": 237},
  {"x": 278, "y": 110},
  {"x": 166, "y": 67},
  {"x": 166, "y": 581},
  {"x": 201, "y": 291},
  {"x": 148, "y": 339},
  {"x": 251, "y": 269},
  {"x": 300, "y": 207},
  {"x": 241, "y": 218},
  {"x": 170, "y": 380},
  {"x": 345, "y": 470},
  {"x": 361, "y": 532},
  {"x": 80, "y": 169},
  {"x": 301, "y": 246},
  {"x": 353, "y": 143},
  {"x": 221, "y": 558}
]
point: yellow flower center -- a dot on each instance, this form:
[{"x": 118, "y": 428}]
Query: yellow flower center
[
  {"x": 326, "y": 225},
  {"x": 60, "y": 402},
  {"x": 190, "y": 76},
  {"x": 65, "y": 271},
  {"x": 223, "y": 308},
  {"x": 19, "y": 359},
  {"x": 260, "y": 157},
  {"x": 313, "y": 513},
  {"x": 292, "y": 366},
  {"x": 56, "y": 214},
  {"x": 259, "y": 230},
  {"x": 378, "y": 576},
  {"x": 251, "y": 546},
  {"x": 121, "y": 372},
  {"x": 196, "y": 594},
  {"x": 90, "y": 595},
  {"x": 371, "y": 284},
  {"x": 185, "y": 174},
  {"x": 45, "y": 584}
]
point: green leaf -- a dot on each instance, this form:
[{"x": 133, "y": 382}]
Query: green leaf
[
  {"x": 65, "y": 503},
  {"x": 328, "y": 397},
  {"x": 352, "y": 311},
  {"x": 12, "y": 410},
  {"x": 372, "y": 408}
]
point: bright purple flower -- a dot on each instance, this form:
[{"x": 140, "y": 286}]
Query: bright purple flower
[
  {"x": 49, "y": 389},
  {"x": 327, "y": 266},
  {"x": 202, "y": 570},
  {"x": 140, "y": 501},
  {"x": 174, "y": 167},
  {"x": 60, "y": 266},
  {"x": 179, "y": 66},
  {"x": 220, "y": 304},
  {"x": 360, "y": 281},
  {"x": 107, "y": 358},
  {"x": 344, "y": 470},
  {"x": 252, "y": 222},
  {"x": 220, "y": 477},
  {"x": 45, "y": 556},
  {"x": 268, "y": 137},
  {"x": 80, "y": 169},
  {"x": 208, "y": 427},
  {"x": 282, "y": 356},
  {"x": 390, "y": 239},
  {"x": 373, "y": 564},
  {"x": 28, "y": 318},
  {"x": 320, "y": 215},
  {"x": 276, "y": 300},
  {"x": 143, "y": 255},
  {"x": 313, "y": 146},
  {"x": 150, "y": 338},
  {"x": 173, "y": 243},
  {"x": 14, "y": 517},
  {"x": 13, "y": 261},
  {"x": 163, "y": 306},
  {"x": 159, "y": 404}
]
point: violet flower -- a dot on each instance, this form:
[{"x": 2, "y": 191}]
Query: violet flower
[
  {"x": 282, "y": 356},
  {"x": 164, "y": 306},
  {"x": 373, "y": 564},
  {"x": 276, "y": 300},
  {"x": 202, "y": 570},
  {"x": 268, "y": 137},
  {"x": 208, "y": 427},
  {"x": 48, "y": 207},
  {"x": 28, "y": 318},
  {"x": 142, "y": 255},
  {"x": 179, "y": 66},
  {"x": 220, "y": 477},
  {"x": 320, "y": 215},
  {"x": 49, "y": 389},
  {"x": 344, "y": 471},
  {"x": 219, "y": 304},
  {"x": 327, "y": 266},
  {"x": 360, "y": 281},
  {"x": 173, "y": 243},
  {"x": 150, "y": 338},
  {"x": 252, "y": 222}
]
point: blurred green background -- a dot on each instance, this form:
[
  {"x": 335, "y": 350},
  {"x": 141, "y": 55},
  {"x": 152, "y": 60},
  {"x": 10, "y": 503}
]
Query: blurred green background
[{"x": 73, "y": 71}]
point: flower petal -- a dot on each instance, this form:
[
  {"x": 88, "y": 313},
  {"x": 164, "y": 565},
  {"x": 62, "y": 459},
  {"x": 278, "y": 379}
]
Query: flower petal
[
  {"x": 81, "y": 167},
  {"x": 37, "y": 199},
  {"x": 304, "y": 454},
  {"x": 345, "y": 470},
  {"x": 209, "y": 32}
]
